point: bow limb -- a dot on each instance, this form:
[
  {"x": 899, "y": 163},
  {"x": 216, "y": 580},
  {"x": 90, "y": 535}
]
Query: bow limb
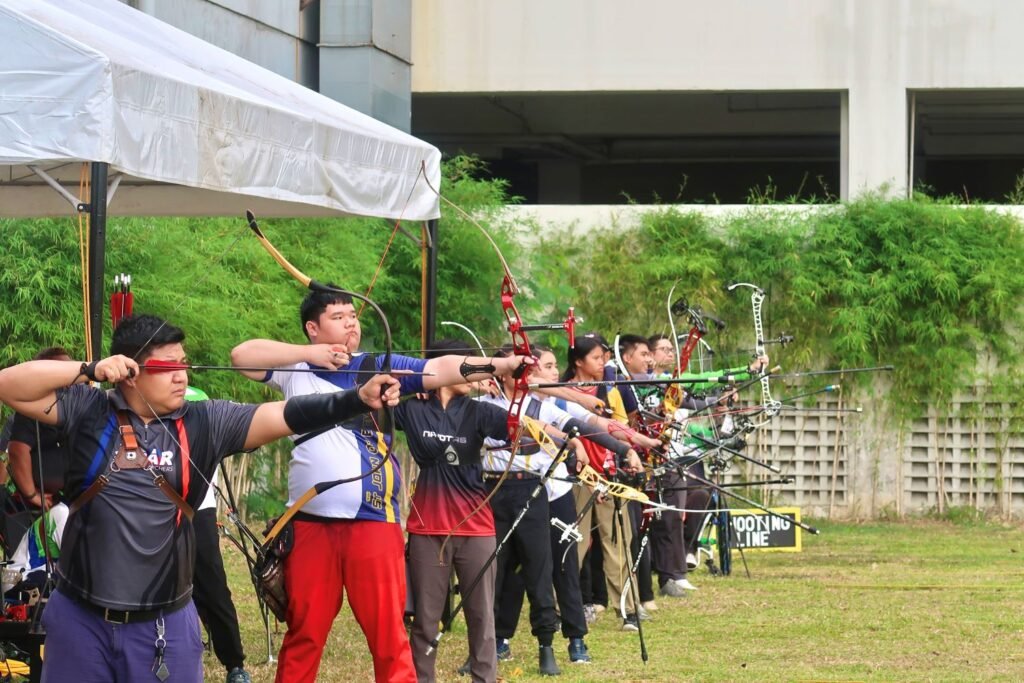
[
  {"x": 304, "y": 279},
  {"x": 771, "y": 406},
  {"x": 588, "y": 475},
  {"x": 520, "y": 347},
  {"x": 468, "y": 331},
  {"x": 509, "y": 290},
  {"x": 672, "y": 325},
  {"x": 673, "y": 395},
  {"x": 619, "y": 365},
  {"x": 387, "y": 426},
  {"x": 309, "y": 495},
  {"x": 591, "y": 477}
]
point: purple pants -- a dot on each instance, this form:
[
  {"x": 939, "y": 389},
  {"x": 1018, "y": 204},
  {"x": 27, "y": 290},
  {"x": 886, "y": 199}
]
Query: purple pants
[{"x": 82, "y": 647}]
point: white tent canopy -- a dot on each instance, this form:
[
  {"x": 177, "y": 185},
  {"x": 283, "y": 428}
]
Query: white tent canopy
[{"x": 185, "y": 127}]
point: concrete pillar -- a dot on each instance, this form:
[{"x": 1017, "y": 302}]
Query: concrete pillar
[
  {"x": 875, "y": 140},
  {"x": 844, "y": 146},
  {"x": 876, "y": 107},
  {"x": 366, "y": 57}
]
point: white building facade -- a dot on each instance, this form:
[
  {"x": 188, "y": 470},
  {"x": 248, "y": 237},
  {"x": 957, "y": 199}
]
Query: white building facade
[
  {"x": 866, "y": 93},
  {"x": 607, "y": 102}
]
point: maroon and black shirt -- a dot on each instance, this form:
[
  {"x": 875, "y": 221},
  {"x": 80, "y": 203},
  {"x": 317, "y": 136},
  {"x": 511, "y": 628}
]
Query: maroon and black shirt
[{"x": 446, "y": 444}]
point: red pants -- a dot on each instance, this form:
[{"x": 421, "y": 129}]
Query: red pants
[{"x": 365, "y": 558}]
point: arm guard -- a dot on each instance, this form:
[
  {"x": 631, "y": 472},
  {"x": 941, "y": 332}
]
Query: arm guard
[{"x": 304, "y": 414}]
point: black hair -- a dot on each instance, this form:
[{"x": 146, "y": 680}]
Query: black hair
[
  {"x": 51, "y": 352},
  {"x": 449, "y": 347},
  {"x": 507, "y": 350},
  {"x": 138, "y": 335},
  {"x": 628, "y": 342},
  {"x": 653, "y": 340},
  {"x": 317, "y": 301},
  {"x": 599, "y": 339},
  {"x": 584, "y": 345}
]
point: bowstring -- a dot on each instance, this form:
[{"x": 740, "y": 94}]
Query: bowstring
[
  {"x": 195, "y": 286},
  {"x": 181, "y": 451}
]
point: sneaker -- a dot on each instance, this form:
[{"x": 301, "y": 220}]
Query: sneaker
[
  {"x": 650, "y": 606},
  {"x": 546, "y": 661},
  {"x": 578, "y": 653},
  {"x": 685, "y": 584},
  {"x": 630, "y": 623},
  {"x": 504, "y": 650},
  {"x": 643, "y": 614},
  {"x": 466, "y": 668},
  {"x": 691, "y": 561},
  {"x": 598, "y": 607},
  {"x": 238, "y": 675},
  {"x": 589, "y": 614},
  {"x": 673, "y": 590}
]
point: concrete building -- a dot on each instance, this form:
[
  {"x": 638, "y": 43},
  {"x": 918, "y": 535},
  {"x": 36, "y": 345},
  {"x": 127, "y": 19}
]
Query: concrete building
[
  {"x": 588, "y": 101},
  {"x": 354, "y": 51},
  {"x": 605, "y": 102}
]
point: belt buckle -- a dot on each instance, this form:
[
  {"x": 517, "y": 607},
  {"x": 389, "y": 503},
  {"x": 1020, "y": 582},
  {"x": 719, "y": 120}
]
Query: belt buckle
[{"x": 110, "y": 615}]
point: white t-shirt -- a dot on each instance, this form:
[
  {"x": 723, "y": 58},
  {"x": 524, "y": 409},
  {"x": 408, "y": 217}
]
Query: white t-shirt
[
  {"x": 538, "y": 463},
  {"x": 29, "y": 555},
  {"x": 341, "y": 453}
]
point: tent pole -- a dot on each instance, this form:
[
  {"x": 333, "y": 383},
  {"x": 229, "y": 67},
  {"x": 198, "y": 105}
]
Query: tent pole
[
  {"x": 97, "y": 252},
  {"x": 430, "y": 303}
]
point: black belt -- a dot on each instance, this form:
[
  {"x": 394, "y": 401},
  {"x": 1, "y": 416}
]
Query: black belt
[
  {"x": 120, "y": 616},
  {"x": 494, "y": 476}
]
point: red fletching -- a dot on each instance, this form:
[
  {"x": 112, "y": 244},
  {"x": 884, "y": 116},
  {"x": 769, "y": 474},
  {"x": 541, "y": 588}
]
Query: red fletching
[{"x": 154, "y": 365}]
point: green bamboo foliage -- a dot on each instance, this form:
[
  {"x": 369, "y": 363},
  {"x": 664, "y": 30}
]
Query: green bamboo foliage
[
  {"x": 213, "y": 279},
  {"x": 921, "y": 284}
]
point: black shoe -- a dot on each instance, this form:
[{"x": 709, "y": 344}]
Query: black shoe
[
  {"x": 546, "y": 661},
  {"x": 466, "y": 668},
  {"x": 578, "y": 653},
  {"x": 239, "y": 675},
  {"x": 631, "y": 623}
]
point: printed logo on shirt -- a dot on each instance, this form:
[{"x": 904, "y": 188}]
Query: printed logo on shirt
[
  {"x": 451, "y": 455},
  {"x": 443, "y": 438},
  {"x": 163, "y": 461}
]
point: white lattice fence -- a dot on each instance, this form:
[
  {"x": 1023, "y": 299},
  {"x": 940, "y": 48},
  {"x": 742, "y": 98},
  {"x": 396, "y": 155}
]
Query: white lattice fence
[{"x": 862, "y": 465}]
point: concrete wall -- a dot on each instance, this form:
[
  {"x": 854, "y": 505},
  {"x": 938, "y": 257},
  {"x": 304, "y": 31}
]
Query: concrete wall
[
  {"x": 275, "y": 35},
  {"x": 873, "y": 51},
  {"x": 549, "y": 218},
  {"x": 365, "y": 57},
  {"x": 855, "y": 465},
  {"x": 354, "y": 51},
  {"x": 862, "y": 466}
]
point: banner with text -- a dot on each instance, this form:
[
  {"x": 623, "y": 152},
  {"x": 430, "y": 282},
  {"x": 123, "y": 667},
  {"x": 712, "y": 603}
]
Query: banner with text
[{"x": 757, "y": 530}]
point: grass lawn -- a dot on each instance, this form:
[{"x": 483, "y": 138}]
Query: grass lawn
[{"x": 914, "y": 601}]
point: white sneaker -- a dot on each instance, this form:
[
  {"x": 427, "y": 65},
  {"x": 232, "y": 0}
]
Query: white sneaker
[
  {"x": 685, "y": 584},
  {"x": 691, "y": 561}
]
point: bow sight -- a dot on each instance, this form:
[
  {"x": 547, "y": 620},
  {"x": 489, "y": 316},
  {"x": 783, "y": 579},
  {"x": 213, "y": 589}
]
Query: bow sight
[
  {"x": 781, "y": 340},
  {"x": 569, "y": 325}
]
